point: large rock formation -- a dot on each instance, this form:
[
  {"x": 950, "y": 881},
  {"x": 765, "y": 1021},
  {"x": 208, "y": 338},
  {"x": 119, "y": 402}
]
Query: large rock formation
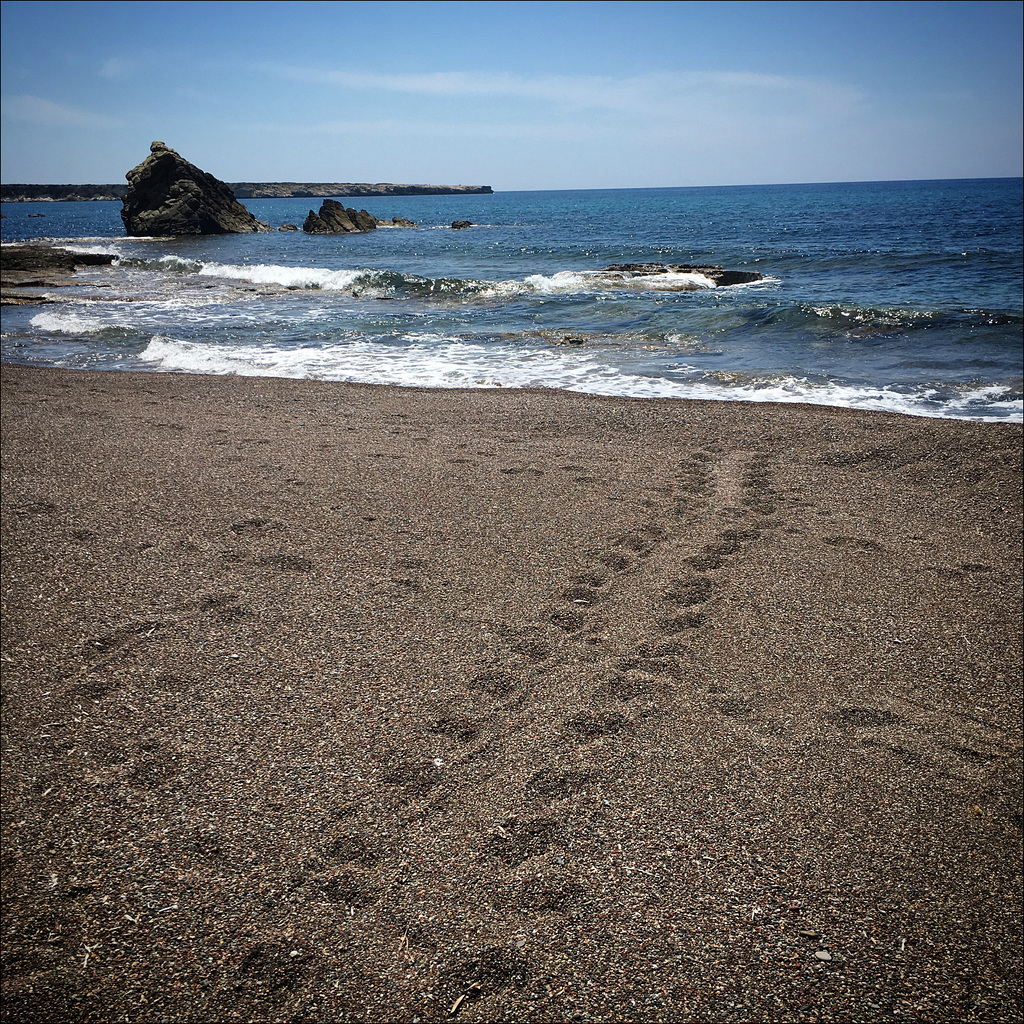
[
  {"x": 169, "y": 196},
  {"x": 334, "y": 219}
]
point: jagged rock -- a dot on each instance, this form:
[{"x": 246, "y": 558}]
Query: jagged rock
[
  {"x": 40, "y": 266},
  {"x": 717, "y": 274},
  {"x": 364, "y": 221},
  {"x": 169, "y": 196},
  {"x": 461, "y": 225},
  {"x": 45, "y": 259},
  {"x": 334, "y": 219},
  {"x": 402, "y": 222},
  {"x": 288, "y": 227}
]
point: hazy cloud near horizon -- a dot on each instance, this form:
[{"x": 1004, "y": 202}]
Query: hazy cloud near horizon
[
  {"x": 35, "y": 110},
  {"x": 757, "y": 93}
]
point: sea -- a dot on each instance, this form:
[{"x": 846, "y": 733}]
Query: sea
[{"x": 904, "y": 296}]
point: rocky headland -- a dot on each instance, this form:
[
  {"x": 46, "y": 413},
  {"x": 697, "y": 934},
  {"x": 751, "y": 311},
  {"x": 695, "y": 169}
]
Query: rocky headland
[
  {"x": 167, "y": 195},
  {"x": 324, "y": 190},
  {"x": 22, "y": 193}
]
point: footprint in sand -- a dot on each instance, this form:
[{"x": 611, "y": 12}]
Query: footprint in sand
[
  {"x": 688, "y": 591},
  {"x": 458, "y": 728},
  {"x": 513, "y": 841},
  {"x": 855, "y": 543},
  {"x": 591, "y": 725}
]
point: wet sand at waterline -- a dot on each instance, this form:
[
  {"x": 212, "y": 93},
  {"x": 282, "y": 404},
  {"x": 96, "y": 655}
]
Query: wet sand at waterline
[{"x": 331, "y": 702}]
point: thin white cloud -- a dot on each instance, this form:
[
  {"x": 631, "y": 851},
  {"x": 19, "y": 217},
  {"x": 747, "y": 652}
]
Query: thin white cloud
[
  {"x": 206, "y": 97},
  {"x": 703, "y": 113},
  {"x": 118, "y": 68},
  {"x": 39, "y": 111},
  {"x": 647, "y": 95},
  {"x": 461, "y": 129}
]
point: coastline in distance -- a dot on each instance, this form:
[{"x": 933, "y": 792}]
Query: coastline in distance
[{"x": 242, "y": 190}]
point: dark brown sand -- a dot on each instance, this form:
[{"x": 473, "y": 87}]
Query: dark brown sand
[{"x": 327, "y": 702}]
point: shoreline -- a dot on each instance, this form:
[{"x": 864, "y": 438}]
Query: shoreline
[
  {"x": 530, "y": 352},
  {"x": 355, "y": 701}
]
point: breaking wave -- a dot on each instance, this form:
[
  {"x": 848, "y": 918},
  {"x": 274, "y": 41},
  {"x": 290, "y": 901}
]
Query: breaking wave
[
  {"x": 428, "y": 360},
  {"x": 388, "y": 282}
]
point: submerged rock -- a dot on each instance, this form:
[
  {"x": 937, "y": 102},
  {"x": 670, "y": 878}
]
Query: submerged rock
[
  {"x": 720, "y": 276},
  {"x": 335, "y": 219},
  {"x": 461, "y": 225},
  {"x": 169, "y": 196}
]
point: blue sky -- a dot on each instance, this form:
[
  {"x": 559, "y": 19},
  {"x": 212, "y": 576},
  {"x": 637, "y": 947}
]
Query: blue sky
[{"x": 515, "y": 95}]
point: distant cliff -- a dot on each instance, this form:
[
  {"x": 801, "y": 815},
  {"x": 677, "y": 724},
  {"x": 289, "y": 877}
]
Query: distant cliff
[
  {"x": 61, "y": 193},
  {"x": 242, "y": 190},
  {"x": 294, "y": 190}
]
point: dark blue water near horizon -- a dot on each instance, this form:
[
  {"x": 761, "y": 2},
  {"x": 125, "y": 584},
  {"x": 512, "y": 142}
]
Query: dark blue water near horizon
[{"x": 904, "y": 296}]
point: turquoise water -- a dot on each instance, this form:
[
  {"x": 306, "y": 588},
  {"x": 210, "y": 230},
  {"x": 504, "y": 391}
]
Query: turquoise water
[{"x": 904, "y": 296}]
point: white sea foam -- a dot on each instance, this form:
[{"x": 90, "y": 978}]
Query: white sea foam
[
  {"x": 974, "y": 403},
  {"x": 78, "y": 244},
  {"x": 97, "y": 250},
  {"x": 565, "y": 282},
  {"x": 573, "y": 281},
  {"x": 286, "y": 277},
  {"x": 421, "y": 360},
  {"x": 669, "y": 282},
  {"x": 978, "y": 404},
  {"x": 178, "y": 263},
  {"x": 429, "y": 360},
  {"x": 76, "y": 320}
]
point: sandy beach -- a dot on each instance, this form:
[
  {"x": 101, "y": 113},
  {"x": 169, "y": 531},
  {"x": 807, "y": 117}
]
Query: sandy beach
[{"x": 337, "y": 702}]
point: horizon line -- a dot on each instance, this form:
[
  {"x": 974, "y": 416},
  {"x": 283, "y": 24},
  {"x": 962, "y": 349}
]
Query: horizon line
[{"x": 580, "y": 188}]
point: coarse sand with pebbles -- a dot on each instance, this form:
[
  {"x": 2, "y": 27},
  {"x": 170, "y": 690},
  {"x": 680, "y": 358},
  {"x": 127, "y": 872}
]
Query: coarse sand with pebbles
[{"x": 325, "y": 702}]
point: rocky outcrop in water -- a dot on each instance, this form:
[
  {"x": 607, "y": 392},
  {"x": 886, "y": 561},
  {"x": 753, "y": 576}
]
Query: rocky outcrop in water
[
  {"x": 335, "y": 219},
  {"x": 169, "y": 196},
  {"x": 41, "y": 266},
  {"x": 45, "y": 259},
  {"x": 720, "y": 276}
]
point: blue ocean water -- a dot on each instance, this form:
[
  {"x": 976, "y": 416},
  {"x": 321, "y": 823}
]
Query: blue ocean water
[{"x": 904, "y": 296}]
